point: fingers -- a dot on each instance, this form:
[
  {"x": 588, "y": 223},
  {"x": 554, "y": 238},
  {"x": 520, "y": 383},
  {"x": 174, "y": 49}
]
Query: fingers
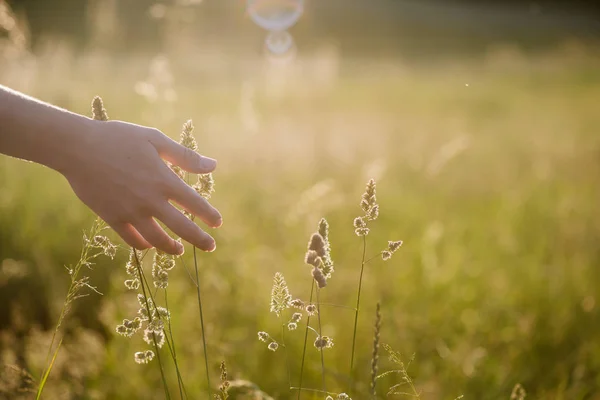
[
  {"x": 157, "y": 236},
  {"x": 185, "y": 228},
  {"x": 130, "y": 236},
  {"x": 181, "y": 156},
  {"x": 195, "y": 204}
]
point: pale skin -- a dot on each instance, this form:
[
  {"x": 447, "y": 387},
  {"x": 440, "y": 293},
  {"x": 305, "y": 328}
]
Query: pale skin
[{"x": 115, "y": 168}]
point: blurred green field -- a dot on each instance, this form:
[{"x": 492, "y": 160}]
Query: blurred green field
[{"x": 488, "y": 168}]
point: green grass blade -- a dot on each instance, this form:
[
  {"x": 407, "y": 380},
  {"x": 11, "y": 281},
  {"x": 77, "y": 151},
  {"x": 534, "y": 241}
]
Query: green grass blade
[{"x": 47, "y": 372}]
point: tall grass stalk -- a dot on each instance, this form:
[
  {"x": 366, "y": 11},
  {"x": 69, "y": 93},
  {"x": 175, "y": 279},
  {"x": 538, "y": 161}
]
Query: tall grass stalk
[
  {"x": 168, "y": 339},
  {"x": 202, "y": 323},
  {"x": 375, "y": 354},
  {"x": 173, "y": 351},
  {"x": 285, "y": 350},
  {"x": 320, "y": 336},
  {"x": 73, "y": 294},
  {"x": 204, "y": 188},
  {"x": 312, "y": 290},
  {"x": 144, "y": 284},
  {"x": 360, "y": 280}
]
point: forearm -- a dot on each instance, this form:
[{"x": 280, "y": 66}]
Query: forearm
[{"x": 38, "y": 132}]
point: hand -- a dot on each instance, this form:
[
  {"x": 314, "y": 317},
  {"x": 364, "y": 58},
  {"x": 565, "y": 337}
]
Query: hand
[{"x": 118, "y": 172}]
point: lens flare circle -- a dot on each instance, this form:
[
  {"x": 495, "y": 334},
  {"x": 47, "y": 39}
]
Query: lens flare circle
[
  {"x": 275, "y": 15},
  {"x": 279, "y": 43}
]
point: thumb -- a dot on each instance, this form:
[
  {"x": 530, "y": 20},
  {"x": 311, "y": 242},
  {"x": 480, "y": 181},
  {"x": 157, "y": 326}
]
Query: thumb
[{"x": 181, "y": 156}]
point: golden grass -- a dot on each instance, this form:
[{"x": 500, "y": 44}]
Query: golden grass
[{"x": 492, "y": 186}]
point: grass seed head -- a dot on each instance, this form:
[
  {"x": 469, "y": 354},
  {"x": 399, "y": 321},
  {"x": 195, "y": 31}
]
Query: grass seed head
[
  {"x": 157, "y": 325},
  {"x": 104, "y": 243},
  {"x": 296, "y": 317},
  {"x": 273, "y": 346},
  {"x": 292, "y": 326},
  {"x": 312, "y": 258},
  {"x": 360, "y": 226},
  {"x": 375, "y": 354},
  {"x": 369, "y": 198},
  {"x": 518, "y": 393},
  {"x": 151, "y": 337},
  {"x": 317, "y": 244},
  {"x": 297, "y": 303},
  {"x": 163, "y": 260},
  {"x": 163, "y": 313},
  {"x": 323, "y": 342},
  {"x": 225, "y": 384},
  {"x": 131, "y": 266},
  {"x": 178, "y": 171},
  {"x": 187, "y": 137},
  {"x": 392, "y": 248},
  {"x": 263, "y": 336},
  {"x": 143, "y": 357},
  {"x": 132, "y": 284},
  {"x": 319, "y": 277},
  {"x": 205, "y": 185},
  {"x": 122, "y": 330},
  {"x": 327, "y": 266},
  {"x": 324, "y": 229},
  {"x": 280, "y": 295},
  {"x": 98, "y": 111},
  {"x": 160, "y": 279}
]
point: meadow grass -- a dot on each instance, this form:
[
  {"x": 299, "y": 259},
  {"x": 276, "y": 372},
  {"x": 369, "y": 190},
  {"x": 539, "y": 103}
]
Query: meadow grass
[{"x": 492, "y": 186}]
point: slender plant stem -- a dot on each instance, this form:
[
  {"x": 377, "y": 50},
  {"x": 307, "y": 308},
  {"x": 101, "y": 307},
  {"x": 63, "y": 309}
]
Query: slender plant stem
[
  {"x": 338, "y": 306},
  {"x": 372, "y": 258},
  {"x": 312, "y": 289},
  {"x": 170, "y": 342},
  {"x": 287, "y": 362},
  {"x": 310, "y": 390},
  {"x": 321, "y": 337},
  {"x": 143, "y": 284},
  {"x": 173, "y": 352},
  {"x": 202, "y": 324},
  {"x": 74, "y": 287},
  {"x": 188, "y": 272},
  {"x": 187, "y": 179},
  {"x": 362, "y": 270}
]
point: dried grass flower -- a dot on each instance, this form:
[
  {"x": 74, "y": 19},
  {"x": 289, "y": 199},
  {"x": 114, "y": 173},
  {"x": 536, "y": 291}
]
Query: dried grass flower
[
  {"x": 263, "y": 336},
  {"x": 323, "y": 342},
  {"x": 317, "y": 244},
  {"x": 280, "y": 295},
  {"x": 98, "y": 111},
  {"x": 297, "y": 303},
  {"x": 392, "y": 248},
  {"x": 143, "y": 357},
  {"x": 151, "y": 336},
  {"x": 205, "y": 185},
  {"x": 187, "y": 138},
  {"x": 319, "y": 277}
]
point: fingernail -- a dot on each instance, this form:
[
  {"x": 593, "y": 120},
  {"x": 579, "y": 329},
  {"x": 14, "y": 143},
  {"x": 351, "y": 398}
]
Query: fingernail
[
  {"x": 212, "y": 248},
  {"x": 219, "y": 222},
  {"x": 208, "y": 163},
  {"x": 180, "y": 249}
]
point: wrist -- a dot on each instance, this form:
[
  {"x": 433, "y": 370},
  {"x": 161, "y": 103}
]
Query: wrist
[{"x": 69, "y": 141}]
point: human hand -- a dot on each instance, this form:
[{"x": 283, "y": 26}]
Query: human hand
[{"x": 117, "y": 169}]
